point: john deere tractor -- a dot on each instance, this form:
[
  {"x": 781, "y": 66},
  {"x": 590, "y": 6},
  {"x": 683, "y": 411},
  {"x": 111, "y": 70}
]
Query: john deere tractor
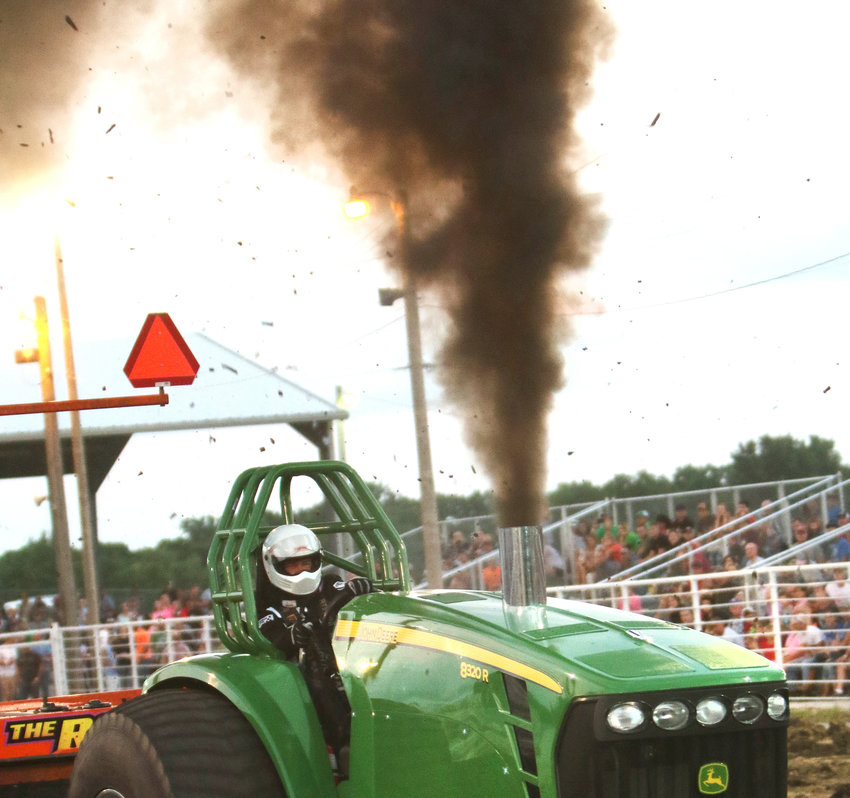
[{"x": 451, "y": 692}]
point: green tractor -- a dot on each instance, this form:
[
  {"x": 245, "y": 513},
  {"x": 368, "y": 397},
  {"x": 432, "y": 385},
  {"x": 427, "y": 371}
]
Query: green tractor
[{"x": 451, "y": 692}]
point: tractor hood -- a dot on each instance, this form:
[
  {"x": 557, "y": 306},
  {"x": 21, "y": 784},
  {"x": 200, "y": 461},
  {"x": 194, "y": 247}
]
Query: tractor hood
[{"x": 568, "y": 647}]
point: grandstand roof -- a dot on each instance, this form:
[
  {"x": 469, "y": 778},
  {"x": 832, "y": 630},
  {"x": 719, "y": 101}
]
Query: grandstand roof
[{"x": 229, "y": 390}]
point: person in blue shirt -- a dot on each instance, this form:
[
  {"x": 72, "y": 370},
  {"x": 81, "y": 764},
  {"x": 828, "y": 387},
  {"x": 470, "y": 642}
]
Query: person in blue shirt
[{"x": 841, "y": 549}]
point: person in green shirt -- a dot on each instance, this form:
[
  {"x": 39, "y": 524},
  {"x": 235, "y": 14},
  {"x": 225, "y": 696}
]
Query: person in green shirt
[
  {"x": 628, "y": 537},
  {"x": 607, "y": 525}
]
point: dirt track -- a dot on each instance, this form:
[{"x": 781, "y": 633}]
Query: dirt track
[{"x": 819, "y": 753}]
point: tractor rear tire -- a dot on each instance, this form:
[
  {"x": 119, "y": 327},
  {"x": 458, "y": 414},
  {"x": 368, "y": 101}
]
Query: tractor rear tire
[{"x": 189, "y": 743}]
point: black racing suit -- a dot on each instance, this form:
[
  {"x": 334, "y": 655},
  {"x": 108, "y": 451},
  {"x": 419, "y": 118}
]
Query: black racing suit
[
  {"x": 279, "y": 615},
  {"x": 280, "y": 611}
]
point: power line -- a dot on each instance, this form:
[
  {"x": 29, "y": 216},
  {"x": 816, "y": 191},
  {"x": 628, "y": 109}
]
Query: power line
[{"x": 710, "y": 295}]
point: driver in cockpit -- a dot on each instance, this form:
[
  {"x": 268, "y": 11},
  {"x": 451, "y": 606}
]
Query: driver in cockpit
[
  {"x": 294, "y": 595},
  {"x": 292, "y": 598}
]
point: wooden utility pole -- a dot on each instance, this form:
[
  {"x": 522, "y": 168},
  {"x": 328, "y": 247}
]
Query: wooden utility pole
[
  {"x": 428, "y": 492},
  {"x": 356, "y": 208},
  {"x": 79, "y": 453},
  {"x": 55, "y": 472}
]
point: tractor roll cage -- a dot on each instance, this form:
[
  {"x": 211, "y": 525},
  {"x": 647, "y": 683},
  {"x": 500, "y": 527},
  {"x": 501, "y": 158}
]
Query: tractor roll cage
[{"x": 234, "y": 552}]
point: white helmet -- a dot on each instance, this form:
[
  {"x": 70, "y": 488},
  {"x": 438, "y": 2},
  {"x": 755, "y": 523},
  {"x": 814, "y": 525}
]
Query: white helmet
[{"x": 288, "y": 542}]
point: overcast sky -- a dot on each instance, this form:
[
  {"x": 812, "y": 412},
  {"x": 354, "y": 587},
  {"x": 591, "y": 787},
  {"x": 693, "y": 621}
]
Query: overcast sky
[{"x": 713, "y": 314}]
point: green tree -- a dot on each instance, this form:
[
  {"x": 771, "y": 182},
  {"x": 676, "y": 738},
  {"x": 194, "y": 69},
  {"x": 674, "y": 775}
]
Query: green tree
[
  {"x": 178, "y": 564},
  {"x": 115, "y": 561},
  {"x": 403, "y": 511},
  {"x": 179, "y": 561},
  {"x": 575, "y": 493},
  {"x": 28, "y": 569},
  {"x": 692, "y": 477},
  {"x": 641, "y": 484},
  {"x": 454, "y": 506},
  {"x": 770, "y": 459},
  {"x": 199, "y": 533}
]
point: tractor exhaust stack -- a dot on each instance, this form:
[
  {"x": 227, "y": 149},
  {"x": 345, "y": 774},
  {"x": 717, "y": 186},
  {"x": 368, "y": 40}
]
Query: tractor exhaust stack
[{"x": 523, "y": 575}]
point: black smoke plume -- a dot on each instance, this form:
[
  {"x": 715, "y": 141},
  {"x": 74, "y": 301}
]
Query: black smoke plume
[
  {"x": 468, "y": 108},
  {"x": 44, "y": 67}
]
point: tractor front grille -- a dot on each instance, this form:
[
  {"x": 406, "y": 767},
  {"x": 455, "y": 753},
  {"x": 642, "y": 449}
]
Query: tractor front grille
[{"x": 668, "y": 764}]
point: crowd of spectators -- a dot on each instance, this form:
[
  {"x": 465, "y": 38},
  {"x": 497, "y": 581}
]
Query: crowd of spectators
[
  {"x": 131, "y": 642},
  {"x": 704, "y": 544},
  {"x": 814, "y": 623},
  {"x": 25, "y": 654},
  {"x": 814, "y": 620},
  {"x": 135, "y": 645},
  {"x": 460, "y": 551}
]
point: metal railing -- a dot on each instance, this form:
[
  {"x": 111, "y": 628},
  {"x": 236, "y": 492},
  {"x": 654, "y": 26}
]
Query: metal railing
[
  {"x": 467, "y": 526},
  {"x": 731, "y": 495},
  {"x": 775, "y": 515},
  {"x": 470, "y": 575},
  {"x": 560, "y": 531}
]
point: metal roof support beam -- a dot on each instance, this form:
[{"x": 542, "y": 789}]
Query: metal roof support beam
[{"x": 319, "y": 433}]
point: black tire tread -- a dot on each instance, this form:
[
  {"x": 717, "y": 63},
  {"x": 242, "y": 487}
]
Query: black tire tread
[{"x": 201, "y": 744}]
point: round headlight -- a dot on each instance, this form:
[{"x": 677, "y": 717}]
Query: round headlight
[
  {"x": 710, "y": 711},
  {"x": 777, "y": 706},
  {"x": 747, "y": 708},
  {"x": 626, "y": 717},
  {"x": 670, "y": 715}
]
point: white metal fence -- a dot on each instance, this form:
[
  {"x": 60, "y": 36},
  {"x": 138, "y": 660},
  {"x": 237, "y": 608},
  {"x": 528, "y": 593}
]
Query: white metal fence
[{"x": 83, "y": 659}]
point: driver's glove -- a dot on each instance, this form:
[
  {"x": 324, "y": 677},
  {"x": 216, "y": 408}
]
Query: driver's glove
[
  {"x": 359, "y": 585},
  {"x": 302, "y": 633}
]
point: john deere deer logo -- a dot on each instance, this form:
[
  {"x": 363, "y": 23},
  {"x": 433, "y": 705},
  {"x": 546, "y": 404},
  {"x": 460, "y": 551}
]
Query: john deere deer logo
[{"x": 713, "y": 778}]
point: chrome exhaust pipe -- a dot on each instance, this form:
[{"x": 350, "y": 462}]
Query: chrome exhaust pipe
[{"x": 523, "y": 575}]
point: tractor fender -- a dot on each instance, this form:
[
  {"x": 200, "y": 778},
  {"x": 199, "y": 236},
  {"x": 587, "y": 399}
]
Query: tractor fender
[{"x": 273, "y": 696}]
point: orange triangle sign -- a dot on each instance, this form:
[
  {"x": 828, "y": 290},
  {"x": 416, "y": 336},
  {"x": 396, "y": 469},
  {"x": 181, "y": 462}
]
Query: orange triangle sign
[{"x": 160, "y": 355}]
